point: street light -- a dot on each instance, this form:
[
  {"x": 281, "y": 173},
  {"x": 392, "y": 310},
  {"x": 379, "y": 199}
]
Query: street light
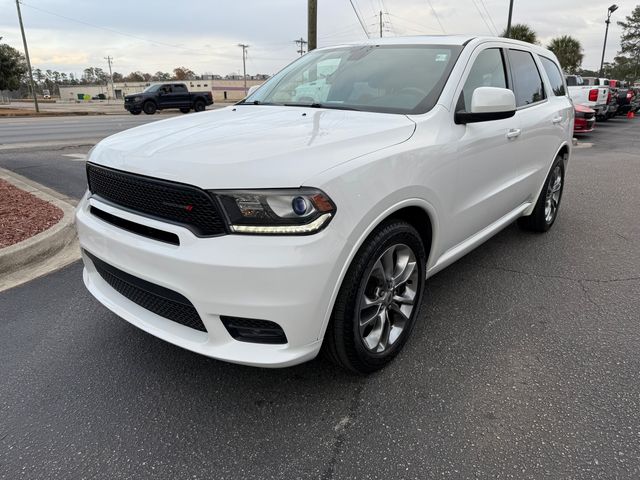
[{"x": 610, "y": 10}]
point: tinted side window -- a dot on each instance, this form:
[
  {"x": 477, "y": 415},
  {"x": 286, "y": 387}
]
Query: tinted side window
[
  {"x": 179, "y": 89},
  {"x": 555, "y": 77},
  {"x": 487, "y": 71},
  {"x": 527, "y": 84}
]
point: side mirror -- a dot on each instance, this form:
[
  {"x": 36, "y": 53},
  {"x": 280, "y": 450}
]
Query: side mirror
[
  {"x": 488, "y": 103},
  {"x": 252, "y": 89}
]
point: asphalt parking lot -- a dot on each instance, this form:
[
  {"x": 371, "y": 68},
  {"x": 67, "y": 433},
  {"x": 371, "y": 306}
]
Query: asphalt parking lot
[{"x": 525, "y": 364}]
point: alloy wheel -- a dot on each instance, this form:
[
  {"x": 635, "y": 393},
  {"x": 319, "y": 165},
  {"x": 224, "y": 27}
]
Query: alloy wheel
[
  {"x": 387, "y": 302},
  {"x": 552, "y": 199}
]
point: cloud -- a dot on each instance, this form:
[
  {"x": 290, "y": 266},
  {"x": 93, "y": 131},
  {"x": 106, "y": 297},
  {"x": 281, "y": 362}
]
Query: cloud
[{"x": 203, "y": 34}]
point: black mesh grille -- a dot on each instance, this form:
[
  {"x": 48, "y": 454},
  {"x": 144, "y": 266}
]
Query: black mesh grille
[
  {"x": 253, "y": 330},
  {"x": 157, "y": 299},
  {"x": 185, "y": 205}
]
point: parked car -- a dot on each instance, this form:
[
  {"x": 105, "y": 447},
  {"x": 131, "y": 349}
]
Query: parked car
[
  {"x": 46, "y": 94},
  {"x": 265, "y": 231},
  {"x": 594, "y": 97},
  {"x": 612, "y": 96},
  {"x": 585, "y": 119},
  {"x": 161, "y": 96},
  {"x": 627, "y": 99}
]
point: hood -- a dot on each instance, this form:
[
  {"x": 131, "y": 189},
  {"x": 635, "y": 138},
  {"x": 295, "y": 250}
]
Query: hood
[{"x": 250, "y": 146}]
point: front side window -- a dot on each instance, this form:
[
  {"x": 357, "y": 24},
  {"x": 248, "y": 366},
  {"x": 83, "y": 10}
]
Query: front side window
[
  {"x": 487, "y": 71},
  {"x": 555, "y": 77},
  {"x": 527, "y": 83},
  {"x": 404, "y": 79}
]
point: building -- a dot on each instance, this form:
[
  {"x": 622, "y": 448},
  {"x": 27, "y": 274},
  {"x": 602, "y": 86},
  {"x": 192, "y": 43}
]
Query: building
[{"x": 223, "y": 90}]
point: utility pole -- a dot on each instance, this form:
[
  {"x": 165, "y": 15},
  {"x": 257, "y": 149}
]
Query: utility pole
[
  {"x": 312, "y": 23},
  {"x": 380, "y": 23},
  {"x": 244, "y": 64},
  {"x": 610, "y": 10},
  {"x": 509, "y": 20},
  {"x": 108, "y": 59},
  {"x": 302, "y": 42},
  {"x": 26, "y": 54}
]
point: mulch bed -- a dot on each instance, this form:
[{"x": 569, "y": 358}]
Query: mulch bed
[{"x": 23, "y": 215}]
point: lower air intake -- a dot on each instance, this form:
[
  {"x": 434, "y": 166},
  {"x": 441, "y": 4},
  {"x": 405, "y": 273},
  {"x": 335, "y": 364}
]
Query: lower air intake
[{"x": 254, "y": 331}]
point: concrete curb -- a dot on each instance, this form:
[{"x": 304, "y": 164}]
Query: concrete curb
[{"x": 32, "y": 255}]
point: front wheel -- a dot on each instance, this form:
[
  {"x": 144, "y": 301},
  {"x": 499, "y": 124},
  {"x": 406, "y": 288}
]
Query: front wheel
[
  {"x": 379, "y": 300},
  {"x": 135, "y": 112},
  {"x": 149, "y": 108},
  {"x": 546, "y": 210}
]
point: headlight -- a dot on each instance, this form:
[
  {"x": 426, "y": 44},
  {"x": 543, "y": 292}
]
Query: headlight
[{"x": 277, "y": 212}]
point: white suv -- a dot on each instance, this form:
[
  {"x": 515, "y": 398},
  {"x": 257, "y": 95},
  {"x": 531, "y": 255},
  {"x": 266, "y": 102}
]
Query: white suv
[{"x": 310, "y": 214}]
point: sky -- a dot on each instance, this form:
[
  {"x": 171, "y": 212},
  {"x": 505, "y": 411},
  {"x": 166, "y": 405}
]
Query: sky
[{"x": 203, "y": 34}]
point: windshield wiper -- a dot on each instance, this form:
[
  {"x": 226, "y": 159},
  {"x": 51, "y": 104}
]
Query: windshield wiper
[
  {"x": 254, "y": 102},
  {"x": 322, "y": 105}
]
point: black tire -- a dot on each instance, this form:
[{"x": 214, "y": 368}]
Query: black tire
[
  {"x": 185, "y": 110},
  {"x": 136, "y": 112},
  {"x": 344, "y": 344},
  {"x": 149, "y": 107},
  {"x": 199, "y": 106},
  {"x": 540, "y": 219}
]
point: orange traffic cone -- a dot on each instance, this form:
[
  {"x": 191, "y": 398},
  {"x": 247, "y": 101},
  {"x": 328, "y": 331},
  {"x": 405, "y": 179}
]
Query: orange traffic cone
[{"x": 631, "y": 115}]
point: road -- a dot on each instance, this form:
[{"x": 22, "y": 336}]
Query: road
[
  {"x": 524, "y": 365},
  {"x": 80, "y": 129}
]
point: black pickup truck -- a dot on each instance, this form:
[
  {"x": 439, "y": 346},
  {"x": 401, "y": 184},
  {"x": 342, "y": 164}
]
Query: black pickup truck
[{"x": 161, "y": 96}]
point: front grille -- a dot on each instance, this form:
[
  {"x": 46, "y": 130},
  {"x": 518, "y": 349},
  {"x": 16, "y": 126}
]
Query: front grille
[
  {"x": 157, "y": 299},
  {"x": 174, "y": 202}
]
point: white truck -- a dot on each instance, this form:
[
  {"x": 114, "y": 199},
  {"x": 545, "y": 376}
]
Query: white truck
[{"x": 595, "y": 97}]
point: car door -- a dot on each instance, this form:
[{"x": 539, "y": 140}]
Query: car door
[
  {"x": 488, "y": 184},
  {"x": 180, "y": 95},
  {"x": 165, "y": 96},
  {"x": 543, "y": 117}
]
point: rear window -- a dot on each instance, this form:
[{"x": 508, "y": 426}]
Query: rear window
[
  {"x": 527, "y": 83},
  {"x": 555, "y": 77}
]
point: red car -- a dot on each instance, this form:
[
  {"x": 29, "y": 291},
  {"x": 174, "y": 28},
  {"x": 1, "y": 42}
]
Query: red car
[{"x": 585, "y": 119}]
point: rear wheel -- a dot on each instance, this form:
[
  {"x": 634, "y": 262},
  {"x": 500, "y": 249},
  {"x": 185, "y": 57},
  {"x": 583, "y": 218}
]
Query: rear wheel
[
  {"x": 149, "y": 108},
  {"x": 546, "y": 210},
  {"x": 199, "y": 106},
  {"x": 379, "y": 300}
]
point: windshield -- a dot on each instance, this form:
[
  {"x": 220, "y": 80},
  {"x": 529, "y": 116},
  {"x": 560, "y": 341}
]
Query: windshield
[
  {"x": 152, "y": 88},
  {"x": 388, "y": 78}
]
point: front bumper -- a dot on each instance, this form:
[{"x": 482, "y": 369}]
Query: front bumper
[
  {"x": 132, "y": 106},
  {"x": 286, "y": 280}
]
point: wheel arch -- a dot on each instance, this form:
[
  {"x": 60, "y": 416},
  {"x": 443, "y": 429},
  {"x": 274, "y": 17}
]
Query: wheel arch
[
  {"x": 564, "y": 150},
  {"x": 414, "y": 211}
]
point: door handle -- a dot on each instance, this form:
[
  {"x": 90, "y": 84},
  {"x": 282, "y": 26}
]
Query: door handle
[
  {"x": 556, "y": 120},
  {"x": 513, "y": 133}
]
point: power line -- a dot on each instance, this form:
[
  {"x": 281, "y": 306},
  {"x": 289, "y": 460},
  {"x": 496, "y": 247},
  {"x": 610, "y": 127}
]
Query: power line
[
  {"x": 484, "y": 5},
  {"x": 110, "y": 30},
  {"x": 482, "y": 17},
  {"x": 355, "y": 10},
  {"x": 435, "y": 14}
]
